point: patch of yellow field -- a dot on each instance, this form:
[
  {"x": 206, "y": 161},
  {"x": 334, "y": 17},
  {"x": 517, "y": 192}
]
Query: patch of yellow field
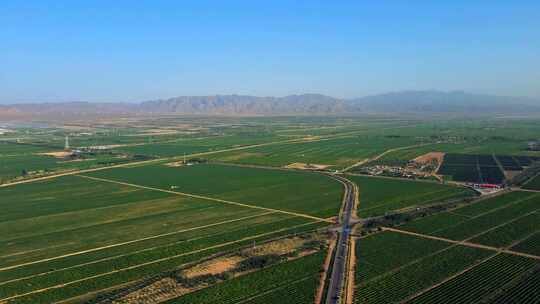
[{"x": 304, "y": 166}]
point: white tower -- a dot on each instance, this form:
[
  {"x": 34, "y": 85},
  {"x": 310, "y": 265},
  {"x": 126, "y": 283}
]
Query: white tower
[{"x": 66, "y": 145}]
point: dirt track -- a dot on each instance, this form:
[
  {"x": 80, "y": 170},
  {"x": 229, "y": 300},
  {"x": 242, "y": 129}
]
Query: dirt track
[
  {"x": 326, "y": 267},
  {"x": 210, "y": 199}
]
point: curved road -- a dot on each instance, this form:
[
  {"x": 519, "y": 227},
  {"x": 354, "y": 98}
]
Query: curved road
[{"x": 339, "y": 268}]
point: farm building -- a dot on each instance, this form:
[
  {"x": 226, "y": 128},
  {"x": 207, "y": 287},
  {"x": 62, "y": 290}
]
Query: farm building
[{"x": 534, "y": 145}]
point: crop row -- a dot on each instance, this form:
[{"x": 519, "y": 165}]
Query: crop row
[
  {"x": 58, "y": 195},
  {"x": 472, "y": 168},
  {"x": 454, "y": 217},
  {"x": 396, "y": 286},
  {"x": 524, "y": 160},
  {"x": 399, "y": 194},
  {"x": 382, "y": 252},
  {"x": 480, "y": 282},
  {"x": 312, "y": 194},
  {"x": 417, "y": 199},
  {"x": 300, "y": 292},
  {"x": 118, "y": 243},
  {"x": 477, "y": 225},
  {"x": 530, "y": 245},
  {"x": 511, "y": 232},
  {"x": 339, "y": 151},
  {"x": 266, "y": 280},
  {"x": 487, "y": 205},
  {"x": 526, "y": 291},
  {"x": 509, "y": 162},
  {"x": 137, "y": 265},
  {"x": 533, "y": 184}
]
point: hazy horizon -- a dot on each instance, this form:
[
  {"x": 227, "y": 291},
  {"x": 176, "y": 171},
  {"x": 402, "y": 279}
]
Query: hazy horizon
[
  {"x": 129, "y": 52},
  {"x": 277, "y": 96}
]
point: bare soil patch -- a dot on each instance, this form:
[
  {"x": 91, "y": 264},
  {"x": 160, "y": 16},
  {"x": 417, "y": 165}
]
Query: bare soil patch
[
  {"x": 428, "y": 157},
  {"x": 156, "y": 292},
  {"x": 179, "y": 163},
  {"x": 195, "y": 277},
  {"x": 57, "y": 154},
  {"x": 76, "y": 160},
  {"x": 511, "y": 174},
  {"x": 304, "y": 166},
  {"x": 105, "y": 147},
  {"x": 241, "y": 155},
  {"x": 158, "y": 132},
  {"x": 212, "y": 267}
]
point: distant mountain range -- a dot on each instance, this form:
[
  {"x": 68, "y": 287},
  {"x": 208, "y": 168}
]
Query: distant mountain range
[{"x": 405, "y": 102}]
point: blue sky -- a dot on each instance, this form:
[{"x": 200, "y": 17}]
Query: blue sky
[{"x": 139, "y": 50}]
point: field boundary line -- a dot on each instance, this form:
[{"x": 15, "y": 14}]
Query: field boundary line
[
  {"x": 483, "y": 213},
  {"x": 414, "y": 197},
  {"x": 455, "y": 275},
  {"x": 426, "y": 181},
  {"x": 463, "y": 243},
  {"x": 524, "y": 239},
  {"x": 150, "y": 161},
  {"x": 209, "y": 198},
  {"x": 124, "y": 255},
  {"x": 153, "y": 262},
  {"x": 319, "y": 293},
  {"x": 348, "y": 294},
  {"x": 502, "y": 224},
  {"x": 281, "y": 286},
  {"x": 529, "y": 181},
  {"x": 172, "y": 158},
  {"x": 133, "y": 241},
  {"x": 34, "y": 250},
  {"x": 409, "y": 263}
]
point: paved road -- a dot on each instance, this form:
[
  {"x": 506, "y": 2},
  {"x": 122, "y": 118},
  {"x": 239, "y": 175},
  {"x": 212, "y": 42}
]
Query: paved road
[{"x": 339, "y": 268}]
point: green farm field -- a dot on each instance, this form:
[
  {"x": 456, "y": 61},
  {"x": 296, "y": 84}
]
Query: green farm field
[
  {"x": 499, "y": 222},
  {"x": 86, "y": 237},
  {"x": 533, "y": 184},
  {"x": 188, "y": 146},
  {"x": 510, "y": 221},
  {"x": 72, "y": 236},
  {"x": 303, "y": 192},
  {"x": 379, "y": 195},
  {"x": 432, "y": 267},
  {"x": 290, "y": 282},
  {"x": 334, "y": 152},
  {"x": 16, "y": 166},
  {"x": 393, "y": 267},
  {"x": 497, "y": 275}
]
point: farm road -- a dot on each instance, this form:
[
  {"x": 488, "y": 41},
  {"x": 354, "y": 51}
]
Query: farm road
[{"x": 340, "y": 268}]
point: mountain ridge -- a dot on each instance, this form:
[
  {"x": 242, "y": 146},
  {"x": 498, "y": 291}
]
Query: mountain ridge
[{"x": 414, "y": 102}]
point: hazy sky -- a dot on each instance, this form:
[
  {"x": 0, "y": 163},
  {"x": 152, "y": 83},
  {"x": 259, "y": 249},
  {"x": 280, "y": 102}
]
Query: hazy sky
[{"x": 138, "y": 50}]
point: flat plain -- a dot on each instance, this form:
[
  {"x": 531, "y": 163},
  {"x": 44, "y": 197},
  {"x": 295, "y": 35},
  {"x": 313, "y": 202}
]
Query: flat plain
[
  {"x": 85, "y": 234},
  {"x": 380, "y": 195},
  {"x": 214, "y": 196}
]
